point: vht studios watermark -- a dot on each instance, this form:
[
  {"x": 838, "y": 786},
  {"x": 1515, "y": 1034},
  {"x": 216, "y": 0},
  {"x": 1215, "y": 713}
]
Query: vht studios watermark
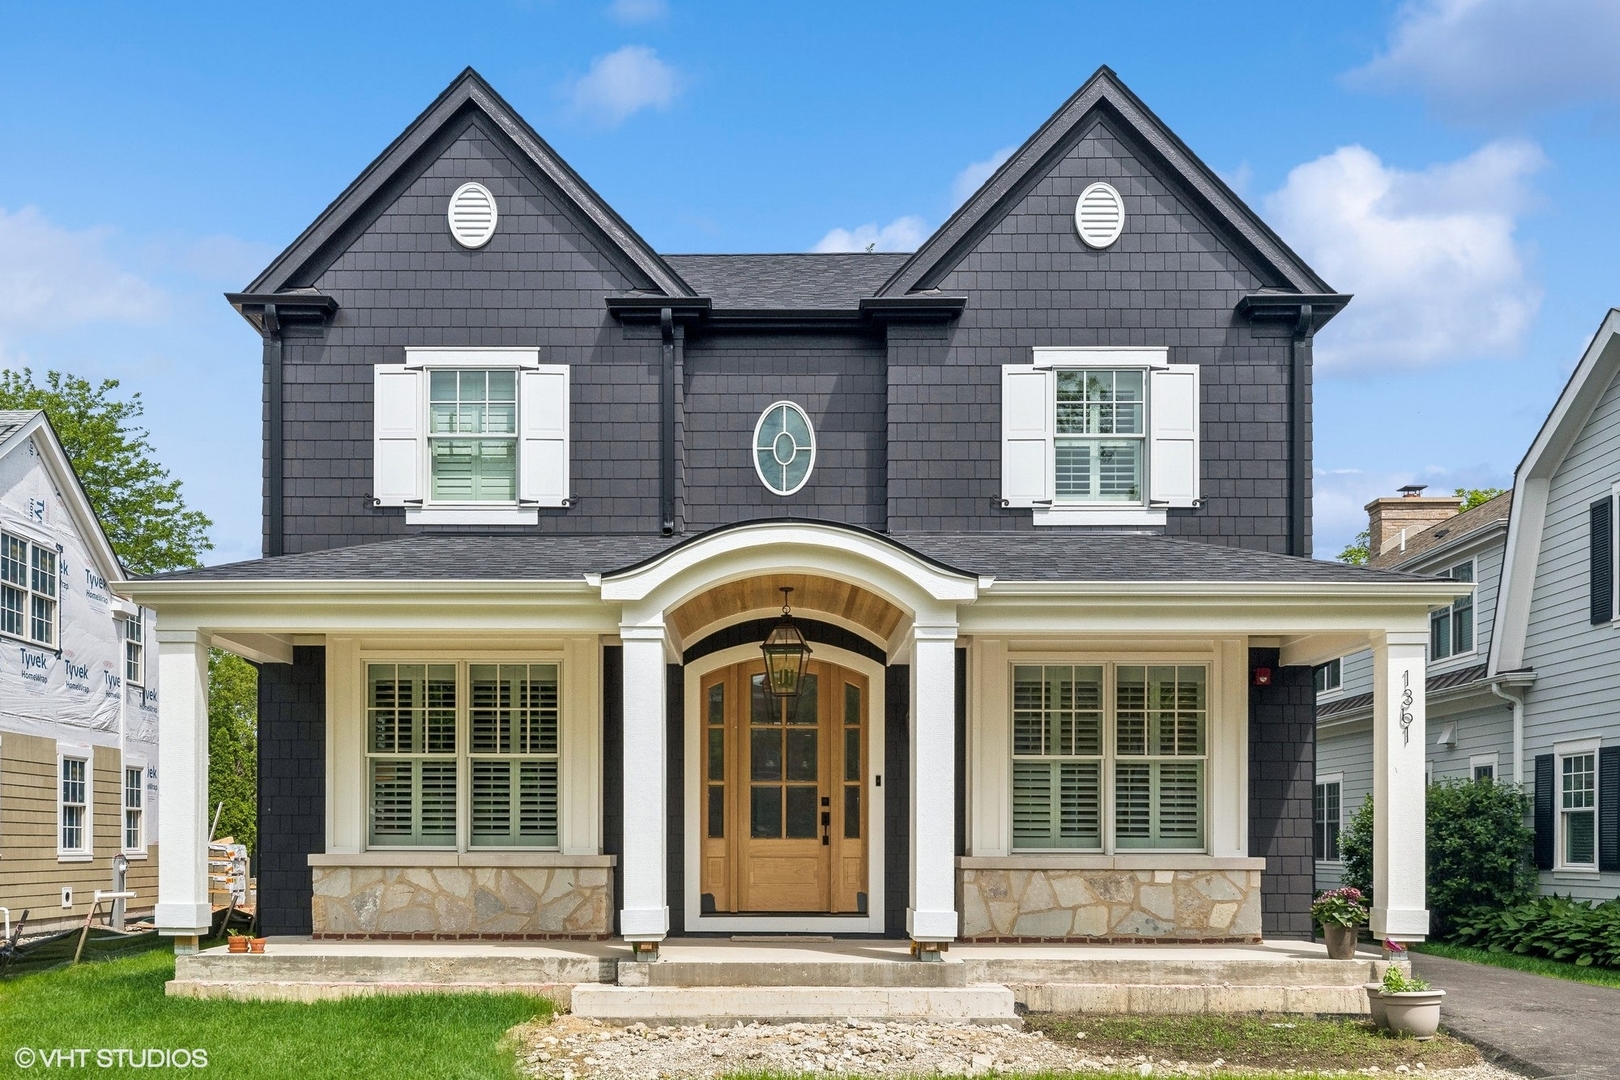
[{"x": 29, "y": 1057}]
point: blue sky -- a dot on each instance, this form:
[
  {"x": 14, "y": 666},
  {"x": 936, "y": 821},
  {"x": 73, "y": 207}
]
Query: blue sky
[{"x": 1449, "y": 161}]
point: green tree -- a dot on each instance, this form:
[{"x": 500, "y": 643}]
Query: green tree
[
  {"x": 1356, "y": 552},
  {"x": 139, "y": 503},
  {"x": 233, "y": 745},
  {"x": 1473, "y": 497},
  {"x": 1356, "y": 848}
]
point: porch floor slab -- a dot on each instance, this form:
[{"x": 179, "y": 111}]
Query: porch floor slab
[{"x": 1275, "y": 976}]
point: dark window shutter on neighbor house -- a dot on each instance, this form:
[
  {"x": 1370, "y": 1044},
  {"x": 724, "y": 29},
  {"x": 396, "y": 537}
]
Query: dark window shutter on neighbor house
[
  {"x": 1544, "y": 812},
  {"x": 1602, "y": 560},
  {"x": 1609, "y": 809}
]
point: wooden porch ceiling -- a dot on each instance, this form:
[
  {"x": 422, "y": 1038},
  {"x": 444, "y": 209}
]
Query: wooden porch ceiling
[{"x": 810, "y": 593}]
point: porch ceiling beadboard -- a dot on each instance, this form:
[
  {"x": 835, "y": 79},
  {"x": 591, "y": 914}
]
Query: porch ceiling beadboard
[{"x": 811, "y": 592}]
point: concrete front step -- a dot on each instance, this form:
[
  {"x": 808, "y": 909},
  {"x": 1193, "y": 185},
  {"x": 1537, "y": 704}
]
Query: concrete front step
[
  {"x": 788, "y": 1004},
  {"x": 319, "y": 976},
  {"x": 853, "y": 972}
]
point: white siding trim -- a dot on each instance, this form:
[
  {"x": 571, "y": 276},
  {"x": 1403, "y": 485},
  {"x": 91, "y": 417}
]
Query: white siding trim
[{"x": 471, "y": 358}]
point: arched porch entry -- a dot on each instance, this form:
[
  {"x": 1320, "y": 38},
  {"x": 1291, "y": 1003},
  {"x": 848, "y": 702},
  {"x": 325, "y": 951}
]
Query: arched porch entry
[{"x": 756, "y": 836}]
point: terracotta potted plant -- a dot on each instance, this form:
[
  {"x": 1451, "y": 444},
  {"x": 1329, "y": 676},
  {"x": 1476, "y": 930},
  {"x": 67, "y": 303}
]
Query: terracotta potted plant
[
  {"x": 1413, "y": 1006},
  {"x": 1342, "y": 913},
  {"x": 257, "y": 944},
  {"x": 236, "y": 943}
]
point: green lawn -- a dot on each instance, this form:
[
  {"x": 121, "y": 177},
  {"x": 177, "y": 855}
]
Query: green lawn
[
  {"x": 120, "y": 1004},
  {"x": 1556, "y": 969}
]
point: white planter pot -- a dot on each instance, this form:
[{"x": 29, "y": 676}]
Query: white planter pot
[
  {"x": 1415, "y": 1012},
  {"x": 1375, "y": 1004}
]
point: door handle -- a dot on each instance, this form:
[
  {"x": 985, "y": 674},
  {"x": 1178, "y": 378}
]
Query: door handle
[{"x": 826, "y": 824}]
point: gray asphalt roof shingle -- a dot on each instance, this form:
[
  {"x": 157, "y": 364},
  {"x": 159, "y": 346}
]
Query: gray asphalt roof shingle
[
  {"x": 12, "y": 419},
  {"x": 1008, "y": 557},
  {"x": 814, "y": 282}
]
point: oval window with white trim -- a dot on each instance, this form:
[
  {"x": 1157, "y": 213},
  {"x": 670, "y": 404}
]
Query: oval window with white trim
[{"x": 784, "y": 448}]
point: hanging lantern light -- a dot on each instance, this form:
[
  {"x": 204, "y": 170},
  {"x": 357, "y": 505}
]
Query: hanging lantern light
[{"x": 785, "y": 654}]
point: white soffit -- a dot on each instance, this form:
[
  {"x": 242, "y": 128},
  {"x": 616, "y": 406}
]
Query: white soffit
[{"x": 473, "y": 215}]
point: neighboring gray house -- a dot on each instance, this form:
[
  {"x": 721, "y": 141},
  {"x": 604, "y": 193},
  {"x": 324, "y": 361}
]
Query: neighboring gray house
[
  {"x": 1470, "y": 724},
  {"x": 1549, "y": 651}
]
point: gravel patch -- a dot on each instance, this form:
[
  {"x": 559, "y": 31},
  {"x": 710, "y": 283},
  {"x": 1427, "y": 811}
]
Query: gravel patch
[{"x": 571, "y": 1048}]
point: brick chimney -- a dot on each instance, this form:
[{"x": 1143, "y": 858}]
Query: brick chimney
[{"x": 1393, "y": 521}]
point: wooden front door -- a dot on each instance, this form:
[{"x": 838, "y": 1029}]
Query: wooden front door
[{"x": 784, "y": 817}]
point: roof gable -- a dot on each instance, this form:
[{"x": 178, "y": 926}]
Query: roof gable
[
  {"x": 17, "y": 428},
  {"x": 1104, "y": 100},
  {"x": 1532, "y": 485},
  {"x": 468, "y": 100}
]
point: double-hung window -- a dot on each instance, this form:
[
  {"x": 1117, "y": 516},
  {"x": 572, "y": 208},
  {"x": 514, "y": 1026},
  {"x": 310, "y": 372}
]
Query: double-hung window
[
  {"x": 1329, "y": 802},
  {"x": 463, "y": 754},
  {"x": 1577, "y": 810},
  {"x": 1109, "y": 756},
  {"x": 1099, "y": 436},
  {"x": 134, "y": 808},
  {"x": 28, "y": 590},
  {"x": 73, "y": 803},
  {"x": 1330, "y": 676},
  {"x": 134, "y": 652},
  {"x": 1451, "y": 629},
  {"x": 471, "y": 436}
]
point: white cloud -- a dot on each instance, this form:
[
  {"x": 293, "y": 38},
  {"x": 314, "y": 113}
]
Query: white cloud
[
  {"x": 1430, "y": 256},
  {"x": 623, "y": 82},
  {"x": 52, "y": 278},
  {"x": 1489, "y": 60},
  {"x": 973, "y": 177},
  {"x": 635, "y": 12},
  {"x": 902, "y": 234}
]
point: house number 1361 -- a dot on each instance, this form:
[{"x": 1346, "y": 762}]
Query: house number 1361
[{"x": 1406, "y": 707}]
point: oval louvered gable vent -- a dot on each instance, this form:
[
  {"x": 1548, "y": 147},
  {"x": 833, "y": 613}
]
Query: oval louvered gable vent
[
  {"x": 1099, "y": 216},
  {"x": 472, "y": 215}
]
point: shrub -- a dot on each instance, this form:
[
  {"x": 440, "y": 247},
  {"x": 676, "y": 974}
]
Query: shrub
[
  {"x": 1479, "y": 850},
  {"x": 1356, "y": 849},
  {"x": 1554, "y": 927}
]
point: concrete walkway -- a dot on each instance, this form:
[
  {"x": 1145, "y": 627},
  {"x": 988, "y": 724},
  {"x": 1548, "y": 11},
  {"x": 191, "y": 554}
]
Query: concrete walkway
[{"x": 1533, "y": 1024}]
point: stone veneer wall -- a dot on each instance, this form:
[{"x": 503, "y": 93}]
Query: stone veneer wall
[
  {"x": 1109, "y": 905},
  {"x": 463, "y": 902}
]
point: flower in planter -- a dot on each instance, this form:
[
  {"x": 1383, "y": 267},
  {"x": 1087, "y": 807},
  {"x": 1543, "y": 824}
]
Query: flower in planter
[{"x": 1340, "y": 907}]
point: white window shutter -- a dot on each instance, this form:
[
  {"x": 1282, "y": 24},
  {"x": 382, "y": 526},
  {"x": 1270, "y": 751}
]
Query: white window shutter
[
  {"x": 399, "y": 426},
  {"x": 1026, "y": 435},
  {"x": 543, "y": 420},
  {"x": 1173, "y": 455}
]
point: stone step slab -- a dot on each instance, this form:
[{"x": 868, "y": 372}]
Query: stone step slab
[
  {"x": 728, "y": 1005},
  {"x": 875, "y": 973}
]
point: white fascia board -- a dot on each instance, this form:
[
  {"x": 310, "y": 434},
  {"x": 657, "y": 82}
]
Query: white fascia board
[
  {"x": 910, "y": 582},
  {"x": 1532, "y": 482},
  {"x": 328, "y": 607},
  {"x": 1208, "y": 608},
  {"x": 1469, "y": 545},
  {"x": 78, "y": 503}
]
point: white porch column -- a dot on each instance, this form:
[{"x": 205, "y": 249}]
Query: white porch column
[
  {"x": 644, "y": 911},
  {"x": 1399, "y": 778},
  {"x": 183, "y": 816},
  {"x": 932, "y": 915}
]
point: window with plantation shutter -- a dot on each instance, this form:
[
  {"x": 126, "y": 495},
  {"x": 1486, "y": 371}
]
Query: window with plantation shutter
[
  {"x": 1057, "y": 756},
  {"x": 514, "y": 723},
  {"x": 1076, "y": 749},
  {"x": 495, "y": 728}
]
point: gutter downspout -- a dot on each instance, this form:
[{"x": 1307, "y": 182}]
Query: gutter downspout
[
  {"x": 666, "y": 405},
  {"x": 1299, "y": 353},
  {"x": 274, "y": 533},
  {"x": 1516, "y": 703}
]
